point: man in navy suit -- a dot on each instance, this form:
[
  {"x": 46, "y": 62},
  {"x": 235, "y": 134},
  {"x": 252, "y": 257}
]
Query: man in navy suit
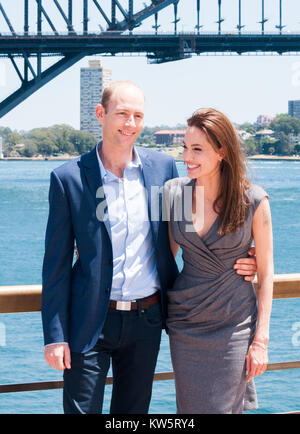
[{"x": 111, "y": 304}]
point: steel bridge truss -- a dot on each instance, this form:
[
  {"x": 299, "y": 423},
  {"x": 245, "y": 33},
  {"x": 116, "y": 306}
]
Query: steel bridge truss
[
  {"x": 31, "y": 45},
  {"x": 28, "y": 45}
]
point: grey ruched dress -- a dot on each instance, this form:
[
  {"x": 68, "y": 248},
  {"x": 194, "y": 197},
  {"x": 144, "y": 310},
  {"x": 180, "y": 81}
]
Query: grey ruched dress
[{"x": 212, "y": 311}]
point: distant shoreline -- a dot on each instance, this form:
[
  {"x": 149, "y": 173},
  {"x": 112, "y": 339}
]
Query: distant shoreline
[
  {"x": 267, "y": 158},
  {"x": 50, "y": 158},
  {"x": 71, "y": 157},
  {"x": 273, "y": 158}
]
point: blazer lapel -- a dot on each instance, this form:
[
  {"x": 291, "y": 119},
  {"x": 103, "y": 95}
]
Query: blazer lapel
[
  {"x": 92, "y": 173},
  {"x": 154, "y": 209}
]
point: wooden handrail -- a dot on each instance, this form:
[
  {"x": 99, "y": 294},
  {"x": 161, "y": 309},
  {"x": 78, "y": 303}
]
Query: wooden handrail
[
  {"x": 20, "y": 298},
  {"x": 27, "y": 298},
  {"x": 158, "y": 376}
]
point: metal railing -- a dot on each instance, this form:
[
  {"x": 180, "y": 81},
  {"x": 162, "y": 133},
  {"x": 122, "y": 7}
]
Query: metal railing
[{"x": 27, "y": 298}]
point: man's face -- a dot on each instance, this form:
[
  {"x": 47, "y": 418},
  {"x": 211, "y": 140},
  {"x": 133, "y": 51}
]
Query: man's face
[{"x": 124, "y": 120}]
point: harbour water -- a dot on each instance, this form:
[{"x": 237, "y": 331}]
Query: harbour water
[{"x": 23, "y": 216}]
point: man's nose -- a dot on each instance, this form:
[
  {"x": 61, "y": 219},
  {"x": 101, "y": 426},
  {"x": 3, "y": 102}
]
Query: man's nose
[{"x": 130, "y": 120}]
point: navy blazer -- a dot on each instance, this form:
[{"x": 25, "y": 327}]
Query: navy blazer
[{"x": 75, "y": 297}]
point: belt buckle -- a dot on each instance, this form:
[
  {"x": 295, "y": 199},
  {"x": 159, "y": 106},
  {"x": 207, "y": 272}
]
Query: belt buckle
[{"x": 123, "y": 305}]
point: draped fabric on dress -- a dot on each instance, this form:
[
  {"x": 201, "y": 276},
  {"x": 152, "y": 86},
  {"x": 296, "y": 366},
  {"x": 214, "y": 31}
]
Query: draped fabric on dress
[{"x": 212, "y": 310}]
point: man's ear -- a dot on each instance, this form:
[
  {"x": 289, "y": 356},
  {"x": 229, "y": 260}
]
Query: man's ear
[{"x": 100, "y": 111}]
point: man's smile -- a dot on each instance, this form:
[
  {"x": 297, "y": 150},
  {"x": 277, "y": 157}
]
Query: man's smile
[{"x": 126, "y": 133}]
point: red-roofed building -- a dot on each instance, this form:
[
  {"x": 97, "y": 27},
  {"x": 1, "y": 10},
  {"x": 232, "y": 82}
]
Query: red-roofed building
[{"x": 169, "y": 137}]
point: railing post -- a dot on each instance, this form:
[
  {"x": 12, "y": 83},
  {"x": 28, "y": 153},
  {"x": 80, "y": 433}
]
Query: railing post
[
  {"x": 26, "y": 17},
  {"x": 70, "y": 16},
  {"x": 198, "y": 27},
  {"x": 113, "y": 14},
  {"x": 240, "y": 26},
  {"x": 85, "y": 16},
  {"x": 39, "y": 17}
]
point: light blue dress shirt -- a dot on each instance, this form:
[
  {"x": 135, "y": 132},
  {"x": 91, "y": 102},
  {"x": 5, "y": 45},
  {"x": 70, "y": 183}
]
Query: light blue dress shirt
[{"x": 134, "y": 266}]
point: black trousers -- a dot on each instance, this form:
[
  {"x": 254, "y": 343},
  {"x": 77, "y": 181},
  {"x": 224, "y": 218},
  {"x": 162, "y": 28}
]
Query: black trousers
[{"x": 131, "y": 340}]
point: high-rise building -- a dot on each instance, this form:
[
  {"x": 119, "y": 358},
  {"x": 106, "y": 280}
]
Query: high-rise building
[
  {"x": 93, "y": 80},
  {"x": 294, "y": 108}
]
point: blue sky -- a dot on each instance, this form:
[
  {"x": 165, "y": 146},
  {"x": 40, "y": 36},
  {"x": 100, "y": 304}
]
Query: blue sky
[{"x": 241, "y": 86}]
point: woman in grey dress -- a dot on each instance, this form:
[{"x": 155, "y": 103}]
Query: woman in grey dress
[{"x": 218, "y": 327}]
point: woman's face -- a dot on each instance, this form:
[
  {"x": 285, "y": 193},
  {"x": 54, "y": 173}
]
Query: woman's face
[{"x": 200, "y": 157}]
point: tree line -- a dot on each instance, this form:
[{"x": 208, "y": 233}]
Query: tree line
[
  {"x": 285, "y": 139},
  {"x": 54, "y": 140},
  {"x": 64, "y": 139}
]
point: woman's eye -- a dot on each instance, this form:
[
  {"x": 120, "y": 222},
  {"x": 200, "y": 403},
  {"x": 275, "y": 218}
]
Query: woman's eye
[{"x": 193, "y": 149}]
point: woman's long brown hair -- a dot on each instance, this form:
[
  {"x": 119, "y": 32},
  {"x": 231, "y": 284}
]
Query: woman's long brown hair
[{"x": 232, "y": 201}]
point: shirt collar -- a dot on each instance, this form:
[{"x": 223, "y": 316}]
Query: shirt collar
[{"x": 106, "y": 174}]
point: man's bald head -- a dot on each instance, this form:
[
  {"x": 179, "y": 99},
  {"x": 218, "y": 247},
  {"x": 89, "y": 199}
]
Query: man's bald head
[{"x": 109, "y": 91}]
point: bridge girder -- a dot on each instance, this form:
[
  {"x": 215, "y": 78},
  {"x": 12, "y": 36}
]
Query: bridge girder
[
  {"x": 73, "y": 44},
  {"x": 115, "y": 43},
  {"x": 25, "y": 46}
]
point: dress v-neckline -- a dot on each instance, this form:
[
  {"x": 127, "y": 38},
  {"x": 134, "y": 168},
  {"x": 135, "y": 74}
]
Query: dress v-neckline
[{"x": 202, "y": 237}]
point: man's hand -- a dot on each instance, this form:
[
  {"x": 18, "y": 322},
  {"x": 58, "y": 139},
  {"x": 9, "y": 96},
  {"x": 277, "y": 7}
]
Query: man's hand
[
  {"x": 247, "y": 266},
  {"x": 58, "y": 356}
]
